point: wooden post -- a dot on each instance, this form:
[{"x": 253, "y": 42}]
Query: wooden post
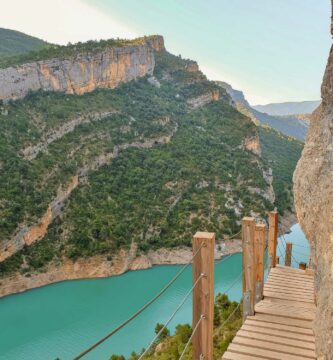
[
  {"x": 272, "y": 239},
  {"x": 288, "y": 253},
  {"x": 302, "y": 265},
  {"x": 259, "y": 254},
  {"x": 203, "y": 295},
  {"x": 277, "y": 259},
  {"x": 248, "y": 230}
]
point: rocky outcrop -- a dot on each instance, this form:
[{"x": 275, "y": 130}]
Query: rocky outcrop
[
  {"x": 203, "y": 99},
  {"x": 313, "y": 188},
  {"x": 156, "y": 42},
  {"x": 253, "y": 144},
  {"x": 192, "y": 66},
  {"x": 83, "y": 72}
]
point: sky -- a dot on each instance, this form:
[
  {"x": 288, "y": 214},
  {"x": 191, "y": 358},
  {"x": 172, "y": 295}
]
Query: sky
[{"x": 273, "y": 50}]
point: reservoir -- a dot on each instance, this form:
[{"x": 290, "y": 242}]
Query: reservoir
[{"x": 61, "y": 320}]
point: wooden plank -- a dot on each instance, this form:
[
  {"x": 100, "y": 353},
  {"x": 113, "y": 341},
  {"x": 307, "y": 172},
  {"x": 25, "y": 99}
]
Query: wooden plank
[
  {"x": 284, "y": 321},
  {"x": 279, "y": 348},
  {"x": 282, "y": 331},
  {"x": 283, "y": 313},
  {"x": 293, "y": 279},
  {"x": 287, "y": 284},
  {"x": 308, "y": 293},
  {"x": 290, "y": 291},
  {"x": 262, "y": 353},
  {"x": 228, "y": 355},
  {"x": 203, "y": 294},
  {"x": 292, "y": 309},
  {"x": 302, "y": 278},
  {"x": 289, "y": 299},
  {"x": 295, "y": 271},
  {"x": 291, "y": 273},
  {"x": 248, "y": 333}
]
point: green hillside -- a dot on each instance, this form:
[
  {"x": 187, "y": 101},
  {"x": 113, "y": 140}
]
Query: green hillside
[
  {"x": 14, "y": 43},
  {"x": 175, "y": 169}
]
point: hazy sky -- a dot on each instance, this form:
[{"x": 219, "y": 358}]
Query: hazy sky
[{"x": 273, "y": 50}]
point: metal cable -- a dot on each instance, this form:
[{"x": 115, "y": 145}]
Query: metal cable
[
  {"x": 292, "y": 256},
  {"x": 233, "y": 283},
  {"x": 281, "y": 253},
  {"x": 232, "y": 313},
  {"x": 189, "y": 340},
  {"x": 299, "y": 252},
  {"x": 302, "y": 246},
  {"x": 234, "y": 235},
  {"x": 224, "y": 258},
  {"x": 172, "y": 316},
  {"x": 144, "y": 307}
]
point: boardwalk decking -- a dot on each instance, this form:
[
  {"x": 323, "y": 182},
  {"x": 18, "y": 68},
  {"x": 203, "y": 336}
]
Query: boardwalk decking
[{"x": 281, "y": 328}]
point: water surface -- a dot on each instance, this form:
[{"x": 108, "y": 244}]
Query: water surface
[{"x": 61, "y": 320}]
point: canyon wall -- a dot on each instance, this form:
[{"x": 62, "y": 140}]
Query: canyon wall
[
  {"x": 83, "y": 72},
  {"x": 313, "y": 187}
]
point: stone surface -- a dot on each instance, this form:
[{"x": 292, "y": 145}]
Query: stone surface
[
  {"x": 83, "y": 73},
  {"x": 313, "y": 187},
  {"x": 203, "y": 99}
]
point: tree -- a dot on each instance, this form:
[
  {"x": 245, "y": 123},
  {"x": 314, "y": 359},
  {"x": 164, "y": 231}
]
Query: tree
[
  {"x": 117, "y": 357},
  {"x": 164, "y": 333}
]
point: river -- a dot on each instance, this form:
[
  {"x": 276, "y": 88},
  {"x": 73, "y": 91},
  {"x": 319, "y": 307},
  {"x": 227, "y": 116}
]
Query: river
[{"x": 60, "y": 320}]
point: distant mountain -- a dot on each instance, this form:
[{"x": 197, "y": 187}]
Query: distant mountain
[
  {"x": 14, "y": 42},
  {"x": 288, "y": 108},
  {"x": 290, "y": 125}
]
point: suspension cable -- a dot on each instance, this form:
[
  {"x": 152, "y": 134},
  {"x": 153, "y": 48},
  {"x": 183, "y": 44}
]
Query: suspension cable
[
  {"x": 224, "y": 258},
  {"x": 232, "y": 313},
  {"x": 190, "y": 339},
  {"x": 285, "y": 248},
  {"x": 234, "y": 235},
  {"x": 234, "y": 282},
  {"x": 144, "y": 307},
  {"x": 172, "y": 316}
]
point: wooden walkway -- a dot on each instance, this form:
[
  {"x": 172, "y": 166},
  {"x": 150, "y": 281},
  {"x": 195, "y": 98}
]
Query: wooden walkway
[{"x": 281, "y": 328}]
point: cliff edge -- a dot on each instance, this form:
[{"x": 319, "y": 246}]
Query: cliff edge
[
  {"x": 313, "y": 190},
  {"x": 83, "y": 71}
]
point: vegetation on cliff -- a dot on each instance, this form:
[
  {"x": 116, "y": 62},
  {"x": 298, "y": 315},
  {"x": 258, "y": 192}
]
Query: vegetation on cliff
[
  {"x": 175, "y": 170},
  {"x": 281, "y": 153},
  {"x": 51, "y": 51}
]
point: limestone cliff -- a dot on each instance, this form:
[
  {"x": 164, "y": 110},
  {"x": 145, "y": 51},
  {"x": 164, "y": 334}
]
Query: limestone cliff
[
  {"x": 313, "y": 187},
  {"x": 84, "y": 72},
  {"x": 203, "y": 99}
]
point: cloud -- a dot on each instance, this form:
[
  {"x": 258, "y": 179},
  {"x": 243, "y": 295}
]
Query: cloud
[{"x": 61, "y": 21}]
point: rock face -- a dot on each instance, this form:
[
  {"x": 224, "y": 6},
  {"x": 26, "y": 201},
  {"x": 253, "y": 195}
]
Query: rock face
[
  {"x": 203, "y": 99},
  {"x": 82, "y": 73},
  {"x": 313, "y": 187},
  {"x": 253, "y": 144}
]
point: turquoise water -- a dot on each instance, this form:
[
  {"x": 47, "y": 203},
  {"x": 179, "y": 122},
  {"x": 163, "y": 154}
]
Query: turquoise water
[{"x": 61, "y": 320}]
